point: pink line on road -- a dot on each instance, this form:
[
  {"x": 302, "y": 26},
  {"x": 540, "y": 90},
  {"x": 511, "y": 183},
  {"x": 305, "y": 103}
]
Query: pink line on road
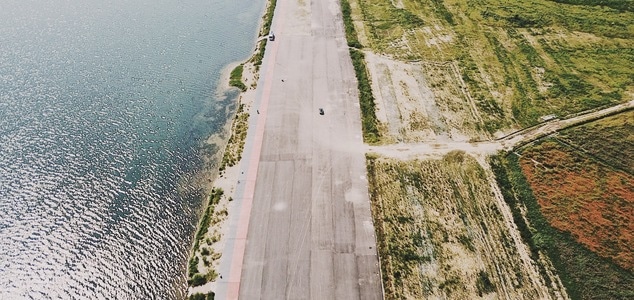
[{"x": 233, "y": 287}]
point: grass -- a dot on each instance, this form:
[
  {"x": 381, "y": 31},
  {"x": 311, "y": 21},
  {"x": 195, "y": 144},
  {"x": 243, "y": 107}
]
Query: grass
[
  {"x": 521, "y": 59},
  {"x": 235, "y": 78},
  {"x": 585, "y": 274},
  {"x": 235, "y": 145},
  {"x": 609, "y": 140},
  {"x": 369, "y": 122}
]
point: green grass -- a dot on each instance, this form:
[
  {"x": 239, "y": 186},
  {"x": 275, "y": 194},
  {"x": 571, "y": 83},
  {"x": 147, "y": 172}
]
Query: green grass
[
  {"x": 369, "y": 122},
  {"x": 267, "y": 20},
  {"x": 584, "y": 274},
  {"x": 193, "y": 274},
  {"x": 236, "y": 78}
]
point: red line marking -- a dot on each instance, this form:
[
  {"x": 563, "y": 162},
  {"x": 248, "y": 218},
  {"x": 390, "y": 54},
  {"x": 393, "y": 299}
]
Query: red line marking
[{"x": 239, "y": 246}]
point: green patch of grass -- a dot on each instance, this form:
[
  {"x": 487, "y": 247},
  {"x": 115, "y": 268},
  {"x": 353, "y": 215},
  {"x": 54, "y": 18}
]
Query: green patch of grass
[
  {"x": 236, "y": 78},
  {"x": 609, "y": 140},
  {"x": 369, "y": 122},
  {"x": 203, "y": 227}
]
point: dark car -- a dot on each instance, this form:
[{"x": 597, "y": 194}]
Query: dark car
[{"x": 321, "y": 111}]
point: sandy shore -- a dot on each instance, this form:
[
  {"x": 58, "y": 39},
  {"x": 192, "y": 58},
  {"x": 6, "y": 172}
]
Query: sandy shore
[{"x": 227, "y": 180}]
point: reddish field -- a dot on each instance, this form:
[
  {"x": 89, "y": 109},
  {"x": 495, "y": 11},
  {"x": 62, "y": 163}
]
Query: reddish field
[{"x": 592, "y": 201}]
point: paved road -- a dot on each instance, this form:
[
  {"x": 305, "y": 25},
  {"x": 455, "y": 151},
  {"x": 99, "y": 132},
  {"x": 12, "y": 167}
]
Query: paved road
[{"x": 310, "y": 232}]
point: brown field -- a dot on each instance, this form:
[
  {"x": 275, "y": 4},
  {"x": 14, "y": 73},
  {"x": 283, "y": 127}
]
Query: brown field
[{"x": 577, "y": 194}]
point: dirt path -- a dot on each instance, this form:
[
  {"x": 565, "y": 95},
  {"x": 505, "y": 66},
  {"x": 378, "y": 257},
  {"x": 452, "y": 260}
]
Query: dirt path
[{"x": 507, "y": 143}]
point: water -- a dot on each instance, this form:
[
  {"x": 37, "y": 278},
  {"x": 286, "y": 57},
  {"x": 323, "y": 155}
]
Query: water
[{"x": 103, "y": 107}]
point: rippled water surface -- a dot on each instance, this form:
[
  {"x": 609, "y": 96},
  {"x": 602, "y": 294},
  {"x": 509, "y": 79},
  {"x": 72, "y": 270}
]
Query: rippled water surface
[{"x": 103, "y": 106}]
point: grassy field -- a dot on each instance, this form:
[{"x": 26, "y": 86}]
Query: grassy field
[
  {"x": 441, "y": 233},
  {"x": 520, "y": 59}
]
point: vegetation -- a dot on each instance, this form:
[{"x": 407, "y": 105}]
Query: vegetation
[
  {"x": 351, "y": 33},
  {"x": 369, "y": 122},
  {"x": 521, "y": 59},
  {"x": 236, "y": 78},
  {"x": 235, "y": 145},
  {"x": 609, "y": 140},
  {"x": 585, "y": 274},
  {"x": 267, "y": 20},
  {"x": 195, "y": 278},
  {"x": 201, "y": 296}
]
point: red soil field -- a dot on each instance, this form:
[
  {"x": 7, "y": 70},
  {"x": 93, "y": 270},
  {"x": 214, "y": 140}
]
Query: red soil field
[{"x": 590, "y": 200}]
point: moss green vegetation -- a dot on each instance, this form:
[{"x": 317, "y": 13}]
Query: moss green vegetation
[
  {"x": 236, "y": 78},
  {"x": 369, "y": 122},
  {"x": 584, "y": 274},
  {"x": 235, "y": 145},
  {"x": 520, "y": 59}
]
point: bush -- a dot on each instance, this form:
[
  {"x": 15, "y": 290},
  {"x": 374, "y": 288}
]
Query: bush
[
  {"x": 198, "y": 280},
  {"x": 351, "y": 33},
  {"x": 369, "y": 122},
  {"x": 201, "y": 296}
]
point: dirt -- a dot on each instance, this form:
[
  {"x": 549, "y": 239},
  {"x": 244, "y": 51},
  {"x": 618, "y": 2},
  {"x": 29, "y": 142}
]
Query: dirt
[{"x": 423, "y": 101}]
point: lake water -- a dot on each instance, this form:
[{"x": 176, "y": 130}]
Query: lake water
[{"x": 103, "y": 108}]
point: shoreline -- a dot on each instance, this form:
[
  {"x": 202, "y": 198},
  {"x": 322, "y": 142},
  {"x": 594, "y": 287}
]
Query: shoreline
[{"x": 225, "y": 177}]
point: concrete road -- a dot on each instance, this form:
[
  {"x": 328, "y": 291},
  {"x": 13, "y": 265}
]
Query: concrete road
[{"x": 305, "y": 198}]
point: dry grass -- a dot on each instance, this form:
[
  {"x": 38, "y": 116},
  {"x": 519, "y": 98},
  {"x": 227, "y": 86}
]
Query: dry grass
[{"x": 442, "y": 233}]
